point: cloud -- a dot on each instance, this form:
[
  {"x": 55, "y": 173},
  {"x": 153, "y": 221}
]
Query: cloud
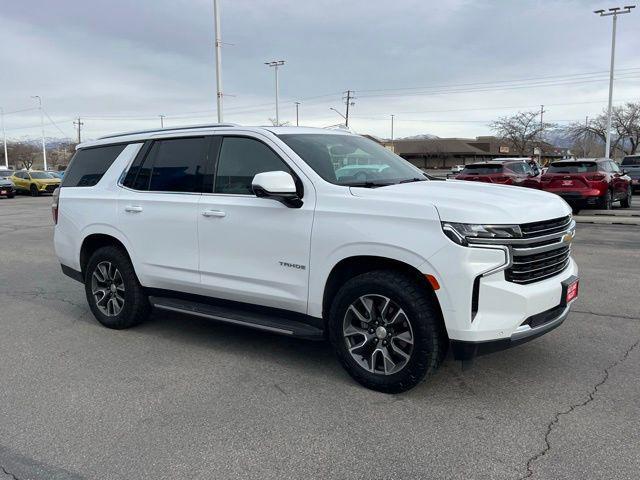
[{"x": 119, "y": 64}]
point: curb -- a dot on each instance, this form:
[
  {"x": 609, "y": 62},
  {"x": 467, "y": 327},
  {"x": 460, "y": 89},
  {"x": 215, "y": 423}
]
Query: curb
[{"x": 607, "y": 220}]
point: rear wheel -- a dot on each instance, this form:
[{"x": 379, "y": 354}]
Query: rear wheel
[
  {"x": 386, "y": 331},
  {"x": 113, "y": 292},
  {"x": 606, "y": 202},
  {"x": 626, "y": 201},
  {"x": 34, "y": 191}
]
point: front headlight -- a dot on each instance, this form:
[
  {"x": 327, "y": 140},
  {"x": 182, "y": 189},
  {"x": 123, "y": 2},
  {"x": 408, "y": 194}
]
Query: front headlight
[{"x": 465, "y": 233}]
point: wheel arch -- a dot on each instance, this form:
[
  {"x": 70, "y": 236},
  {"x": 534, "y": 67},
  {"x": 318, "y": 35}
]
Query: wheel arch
[
  {"x": 352, "y": 266},
  {"x": 95, "y": 241}
]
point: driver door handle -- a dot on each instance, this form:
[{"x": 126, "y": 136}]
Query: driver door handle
[
  {"x": 133, "y": 208},
  {"x": 213, "y": 213}
]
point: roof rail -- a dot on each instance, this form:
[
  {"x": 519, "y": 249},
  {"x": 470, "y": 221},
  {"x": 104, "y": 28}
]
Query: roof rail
[{"x": 170, "y": 129}]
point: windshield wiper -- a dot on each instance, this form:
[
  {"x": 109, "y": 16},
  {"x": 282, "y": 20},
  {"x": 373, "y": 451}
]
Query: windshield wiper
[
  {"x": 414, "y": 179},
  {"x": 368, "y": 184}
]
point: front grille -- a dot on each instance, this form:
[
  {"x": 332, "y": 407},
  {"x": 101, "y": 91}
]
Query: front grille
[
  {"x": 537, "y": 229},
  {"x": 542, "y": 252},
  {"x": 536, "y": 267},
  {"x": 51, "y": 188}
]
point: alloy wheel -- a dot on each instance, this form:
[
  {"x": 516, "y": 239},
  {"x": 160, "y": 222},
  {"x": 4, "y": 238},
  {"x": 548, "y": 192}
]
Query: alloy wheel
[
  {"x": 107, "y": 287},
  {"x": 378, "y": 334}
]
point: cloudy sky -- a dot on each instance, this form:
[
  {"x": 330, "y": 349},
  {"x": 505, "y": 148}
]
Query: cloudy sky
[{"x": 443, "y": 67}]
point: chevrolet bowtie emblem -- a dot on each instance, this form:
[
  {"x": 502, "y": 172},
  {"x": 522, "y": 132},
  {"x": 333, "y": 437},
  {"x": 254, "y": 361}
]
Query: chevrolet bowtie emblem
[{"x": 568, "y": 237}]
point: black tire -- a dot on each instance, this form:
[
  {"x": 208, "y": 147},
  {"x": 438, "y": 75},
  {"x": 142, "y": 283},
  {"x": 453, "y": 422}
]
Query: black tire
[
  {"x": 136, "y": 303},
  {"x": 626, "y": 201},
  {"x": 11, "y": 195},
  {"x": 430, "y": 341},
  {"x": 606, "y": 202},
  {"x": 575, "y": 209},
  {"x": 34, "y": 191}
]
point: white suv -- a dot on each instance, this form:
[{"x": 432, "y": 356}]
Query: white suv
[{"x": 251, "y": 226}]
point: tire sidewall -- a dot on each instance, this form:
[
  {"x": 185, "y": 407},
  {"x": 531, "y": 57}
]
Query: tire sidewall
[
  {"x": 128, "y": 316},
  {"x": 424, "y": 355}
]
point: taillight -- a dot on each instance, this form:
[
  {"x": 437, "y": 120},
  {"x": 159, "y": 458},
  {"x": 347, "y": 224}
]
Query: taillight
[
  {"x": 596, "y": 177},
  {"x": 55, "y": 205}
]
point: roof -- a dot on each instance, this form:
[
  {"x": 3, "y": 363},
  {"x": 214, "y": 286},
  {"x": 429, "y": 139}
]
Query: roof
[
  {"x": 142, "y": 135},
  {"x": 434, "y": 146}
]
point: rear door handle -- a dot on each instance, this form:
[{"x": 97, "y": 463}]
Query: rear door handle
[
  {"x": 133, "y": 208},
  {"x": 213, "y": 213}
]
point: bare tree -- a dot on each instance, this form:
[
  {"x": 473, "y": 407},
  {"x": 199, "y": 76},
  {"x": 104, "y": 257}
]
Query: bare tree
[
  {"x": 625, "y": 121},
  {"x": 23, "y": 154},
  {"x": 522, "y": 130}
]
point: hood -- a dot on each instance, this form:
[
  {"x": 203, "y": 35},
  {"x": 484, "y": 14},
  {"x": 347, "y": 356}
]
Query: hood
[
  {"x": 5, "y": 183},
  {"x": 46, "y": 181},
  {"x": 471, "y": 202}
]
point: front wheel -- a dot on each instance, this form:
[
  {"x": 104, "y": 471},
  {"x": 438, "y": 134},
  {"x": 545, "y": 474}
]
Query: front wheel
[
  {"x": 626, "y": 201},
  {"x": 387, "y": 331},
  {"x": 113, "y": 292},
  {"x": 34, "y": 191}
]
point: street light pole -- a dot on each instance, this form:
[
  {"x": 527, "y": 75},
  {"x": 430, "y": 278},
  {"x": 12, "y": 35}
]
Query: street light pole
[
  {"x": 4, "y": 139},
  {"x": 392, "y": 116},
  {"x": 216, "y": 14},
  {"x": 297, "y": 114},
  {"x": 44, "y": 149},
  {"x": 612, "y": 12},
  {"x": 162, "y": 120},
  {"x": 276, "y": 64}
]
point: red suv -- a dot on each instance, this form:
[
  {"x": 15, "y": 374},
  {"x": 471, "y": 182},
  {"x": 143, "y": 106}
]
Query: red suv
[
  {"x": 504, "y": 172},
  {"x": 582, "y": 182}
]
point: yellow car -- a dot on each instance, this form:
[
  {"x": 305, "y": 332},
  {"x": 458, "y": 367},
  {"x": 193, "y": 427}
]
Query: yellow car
[{"x": 35, "y": 182}]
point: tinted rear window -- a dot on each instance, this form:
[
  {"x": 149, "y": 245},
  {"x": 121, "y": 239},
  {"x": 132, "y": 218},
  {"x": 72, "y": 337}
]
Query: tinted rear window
[
  {"x": 487, "y": 169},
  {"x": 572, "y": 167},
  {"x": 89, "y": 165},
  {"x": 628, "y": 161}
]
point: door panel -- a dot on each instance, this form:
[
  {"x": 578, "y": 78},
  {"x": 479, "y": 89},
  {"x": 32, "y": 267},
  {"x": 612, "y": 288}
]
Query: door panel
[{"x": 254, "y": 250}]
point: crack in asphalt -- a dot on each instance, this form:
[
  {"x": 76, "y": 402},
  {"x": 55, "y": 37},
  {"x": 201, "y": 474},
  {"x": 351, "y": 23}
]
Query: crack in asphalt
[
  {"x": 573, "y": 407},
  {"x": 8, "y": 473},
  {"x": 588, "y": 312}
]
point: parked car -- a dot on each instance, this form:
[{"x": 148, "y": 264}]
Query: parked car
[
  {"x": 631, "y": 166},
  {"x": 6, "y": 173},
  {"x": 6, "y": 188},
  {"x": 457, "y": 168},
  {"x": 252, "y": 226},
  {"x": 505, "y": 172},
  {"x": 34, "y": 182},
  {"x": 56, "y": 173},
  {"x": 588, "y": 182},
  {"x": 359, "y": 172}
]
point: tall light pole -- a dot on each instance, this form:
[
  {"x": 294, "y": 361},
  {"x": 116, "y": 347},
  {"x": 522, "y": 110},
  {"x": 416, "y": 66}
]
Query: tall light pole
[
  {"x": 339, "y": 113},
  {"x": 216, "y": 14},
  {"x": 612, "y": 12},
  {"x": 162, "y": 120},
  {"x": 297, "y": 114},
  {"x": 44, "y": 149},
  {"x": 4, "y": 139},
  {"x": 392, "y": 146},
  {"x": 276, "y": 64}
]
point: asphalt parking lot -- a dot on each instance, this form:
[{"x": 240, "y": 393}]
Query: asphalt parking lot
[{"x": 182, "y": 397}]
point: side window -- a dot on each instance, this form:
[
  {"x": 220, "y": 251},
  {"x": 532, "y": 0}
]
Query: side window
[
  {"x": 604, "y": 167},
  {"x": 89, "y": 165},
  {"x": 614, "y": 167},
  {"x": 172, "y": 165},
  {"x": 240, "y": 159}
]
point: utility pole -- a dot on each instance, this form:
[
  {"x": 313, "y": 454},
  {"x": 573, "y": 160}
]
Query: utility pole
[
  {"x": 392, "y": 144},
  {"x": 4, "y": 139},
  {"x": 540, "y": 136},
  {"x": 44, "y": 149},
  {"x": 78, "y": 123},
  {"x": 348, "y": 97},
  {"x": 218, "y": 42},
  {"x": 162, "y": 120},
  {"x": 612, "y": 12},
  {"x": 297, "y": 116},
  {"x": 276, "y": 64},
  {"x": 586, "y": 133}
]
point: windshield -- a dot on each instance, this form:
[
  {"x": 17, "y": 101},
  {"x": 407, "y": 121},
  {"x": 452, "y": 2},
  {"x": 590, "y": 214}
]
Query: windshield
[
  {"x": 572, "y": 167},
  {"x": 351, "y": 160},
  {"x": 40, "y": 175},
  {"x": 5, "y": 173},
  {"x": 482, "y": 169},
  {"x": 631, "y": 161}
]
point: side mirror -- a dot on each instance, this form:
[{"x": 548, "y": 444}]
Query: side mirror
[{"x": 278, "y": 186}]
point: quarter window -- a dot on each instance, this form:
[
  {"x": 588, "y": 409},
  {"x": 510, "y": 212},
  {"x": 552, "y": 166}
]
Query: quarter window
[
  {"x": 240, "y": 159},
  {"x": 89, "y": 165}
]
